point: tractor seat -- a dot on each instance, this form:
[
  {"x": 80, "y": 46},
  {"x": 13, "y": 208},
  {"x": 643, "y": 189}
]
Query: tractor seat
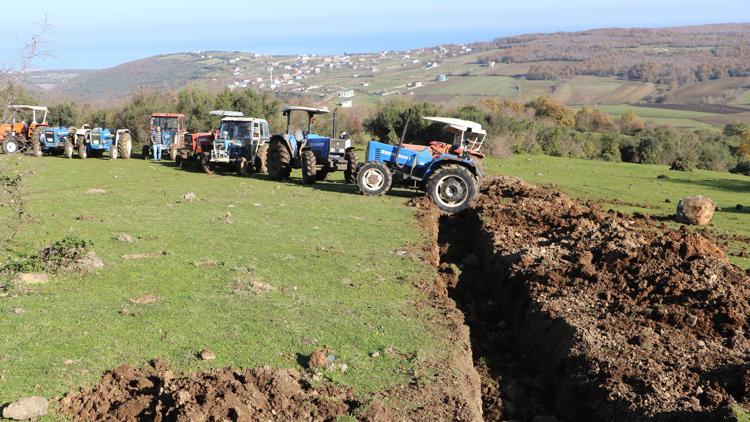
[{"x": 415, "y": 148}]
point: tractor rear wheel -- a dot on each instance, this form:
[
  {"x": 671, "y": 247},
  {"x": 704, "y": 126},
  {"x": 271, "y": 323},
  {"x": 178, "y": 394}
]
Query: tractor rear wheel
[
  {"x": 279, "y": 161},
  {"x": 374, "y": 179},
  {"x": 350, "y": 174},
  {"x": 308, "y": 167},
  {"x": 452, "y": 188},
  {"x": 82, "y": 153},
  {"x": 11, "y": 146},
  {"x": 261, "y": 159},
  {"x": 36, "y": 142},
  {"x": 68, "y": 149},
  {"x": 124, "y": 146}
]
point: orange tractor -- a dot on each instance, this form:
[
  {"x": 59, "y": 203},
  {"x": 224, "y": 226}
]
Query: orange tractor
[{"x": 22, "y": 128}]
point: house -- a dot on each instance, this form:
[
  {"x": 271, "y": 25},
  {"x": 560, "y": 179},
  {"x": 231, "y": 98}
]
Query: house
[
  {"x": 441, "y": 78},
  {"x": 346, "y": 94},
  {"x": 346, "y": 103}
]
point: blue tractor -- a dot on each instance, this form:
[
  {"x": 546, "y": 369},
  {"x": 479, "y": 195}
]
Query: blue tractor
[
  {"x": 449, "y": 173},
  {"x": 93, "y": 142},
  {"x": 316, "y": 155},
  {"x": 54, "y": 140}
]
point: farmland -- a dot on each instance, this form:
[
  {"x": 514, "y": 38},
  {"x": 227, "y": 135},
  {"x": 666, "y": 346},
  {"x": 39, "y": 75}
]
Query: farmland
[{"x": 336, "y": 269}]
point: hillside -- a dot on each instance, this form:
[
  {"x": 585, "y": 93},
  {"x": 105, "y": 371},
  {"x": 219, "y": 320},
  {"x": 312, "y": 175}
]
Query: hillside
[{"x": 695, "y": 65}]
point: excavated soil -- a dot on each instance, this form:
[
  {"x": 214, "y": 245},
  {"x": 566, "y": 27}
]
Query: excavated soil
[
  {"x": 582, "y": 314},
  {"x": 154, "y": 394}
]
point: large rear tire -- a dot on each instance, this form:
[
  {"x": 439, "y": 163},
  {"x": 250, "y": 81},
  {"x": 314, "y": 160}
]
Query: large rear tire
[
  {"x": 261, "y": 159},
  {"x": 308, "y": 167},
  {"x": 124, "y": 146},
  {"x": 11, "y": 146},
  {"x": 36, "y": 143},
  {"x": 374, "y": 179},
  {"x": 452, "y": 188},
  {"x": 82, "y": 153},
  {"x": 350, "y": 174},
  {"x": 279, "y": 161}
]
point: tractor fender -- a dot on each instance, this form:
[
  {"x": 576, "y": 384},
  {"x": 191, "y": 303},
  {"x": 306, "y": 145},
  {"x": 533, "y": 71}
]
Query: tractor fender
[
  {"x": 284, "y": 139},
  {"x": 446, "y": 159}
]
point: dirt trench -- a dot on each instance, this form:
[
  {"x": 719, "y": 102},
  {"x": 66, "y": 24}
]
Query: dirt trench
[{"x": 577, "y": 313}]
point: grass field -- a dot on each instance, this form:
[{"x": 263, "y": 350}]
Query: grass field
[
  {"x": 333, "y": 258},
  {"x": 330, "y": 257}
]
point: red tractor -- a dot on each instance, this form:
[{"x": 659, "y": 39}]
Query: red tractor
[{"x": 172, "y": 127}]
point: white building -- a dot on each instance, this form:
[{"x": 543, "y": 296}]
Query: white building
[
  {"x": 441, "y": 78},
  {"x": 346, "y": 103},
  {"x": 346, "y": 94}
]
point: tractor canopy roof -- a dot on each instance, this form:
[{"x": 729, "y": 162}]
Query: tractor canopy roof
[
  {"x": 310, "y": 110},
  {"x": 27, "y": 107},
  {"x": 242, "y": 119},
  {"x": 174, "y": 115},
  {"x": 458, "y": 125},
  {"x": 225, "y": 113}
]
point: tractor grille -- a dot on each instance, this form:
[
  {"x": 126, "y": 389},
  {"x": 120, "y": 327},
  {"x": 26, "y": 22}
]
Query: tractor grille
[
  {"x": 96, "y": 138},
  {"x": 50, "y": 137}
]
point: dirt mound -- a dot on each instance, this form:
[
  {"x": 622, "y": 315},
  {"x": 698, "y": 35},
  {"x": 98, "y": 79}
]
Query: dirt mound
[
  {"x": 154, "y": 394},
  {"x": 620, "y": 318}
]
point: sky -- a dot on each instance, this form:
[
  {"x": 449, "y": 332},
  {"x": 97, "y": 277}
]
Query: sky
[{"x": 105, "y": 33}]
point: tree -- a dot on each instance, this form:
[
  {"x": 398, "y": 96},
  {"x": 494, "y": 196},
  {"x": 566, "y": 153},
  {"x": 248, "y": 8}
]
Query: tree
[
  {"x": 630, "y": 123},
  {"x": 592, "y": 120},
  {"x": 63, "y": 114},
  {"x": 195, "y": 103},
  {"x": 743, "y": 150},
  {"x": 736, "y": 129},
  {"x": 547, "y": 107},
  {"x": 388, "y": 122}
]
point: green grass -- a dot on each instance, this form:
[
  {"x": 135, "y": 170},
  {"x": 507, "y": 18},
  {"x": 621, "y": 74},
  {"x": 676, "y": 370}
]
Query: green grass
[
  {"x": 660, "y": 116},
  {"x": 330, "y": 257},
  {"x": 638, "y": 186}
]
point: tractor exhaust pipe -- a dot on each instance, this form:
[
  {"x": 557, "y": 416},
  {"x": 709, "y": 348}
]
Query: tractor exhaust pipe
[
  {"x": 333, "y": 131},
  {"x": 403, "y": 135}
]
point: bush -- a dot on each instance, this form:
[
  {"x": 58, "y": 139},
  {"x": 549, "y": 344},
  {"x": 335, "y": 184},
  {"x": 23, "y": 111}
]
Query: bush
[
  {"x": 547, "y": 108},
  {"x": 683, "y": 164},
  {"x": 743, "y": 167}
]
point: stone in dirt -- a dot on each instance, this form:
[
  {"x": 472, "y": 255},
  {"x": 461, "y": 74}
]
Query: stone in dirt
[
  {"x": 143, "y": 299},
  {"x": 264, "y": 394},
  {"x": 318, "y": 359},
  {"x": 696, "y": 210},
  {"x": 95, "y": 191},
  {"x": 260, "y": 287},
  {"x": 206, "y": 354},
  {"x": 31, "y": 278},
  {"x": 26, "y": 408},
  {"x": 143, "y": 255},
  {"x": 124, "y": 237}
]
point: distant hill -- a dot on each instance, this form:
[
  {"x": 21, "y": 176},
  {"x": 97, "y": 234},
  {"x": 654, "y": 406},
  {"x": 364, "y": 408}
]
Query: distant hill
[{"x": 707, "y": 64}]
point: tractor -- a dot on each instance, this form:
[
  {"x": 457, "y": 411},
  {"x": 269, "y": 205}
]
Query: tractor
[
  {"x": 449, "y": 173},
  {"x": 54, "y": 140},
  {"x": 23, "y": 127},
  {"x": 95, "y": 142},
  {"x": 173, "y": 132},
  {"x": 240, "y": 143},
  {"x": 316, "y": 155}
]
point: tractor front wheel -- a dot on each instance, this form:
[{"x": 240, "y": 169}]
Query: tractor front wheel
[
  {"x": 308, "y": 167},
  {"x": 350, "y": 174},
  {"x": 124, "y": 146},
  {"x": 178, "y": 161},
  {"x": 279, "y": 161},
  {"x": 10, "y": 146},
  {"x": 261, "y": 159},
  {"x": 68, "y": 149},
  {"x": 321, "y": 174},
  {"x": 243, "y": 168},
  {"x": 374, "y": 179},
  {"x": 207, "y": 166},
  {"x": 145, "y": 152},
  {"x": 173, "y": 152},
  {"x": 452, "y": 188},
  {"x": 82, "y": 153}
]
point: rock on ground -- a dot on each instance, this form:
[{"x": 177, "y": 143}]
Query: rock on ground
[
  {"x": 32, "y": 278},
  {"x": 318, "y": 359},
  {"x": 26, "y": 408},
  {"x": 696, "y": 210}
]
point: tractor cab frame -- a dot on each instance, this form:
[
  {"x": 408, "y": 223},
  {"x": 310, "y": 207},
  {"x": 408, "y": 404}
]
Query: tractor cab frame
[
  {"x": 17, "y": 133},
  {"x": 173, "y": 130}
]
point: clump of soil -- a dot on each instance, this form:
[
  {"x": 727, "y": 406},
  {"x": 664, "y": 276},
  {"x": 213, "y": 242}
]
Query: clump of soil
[
  {"x": 620, "y": 319},
  {"x": 155, "y": 394}
]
